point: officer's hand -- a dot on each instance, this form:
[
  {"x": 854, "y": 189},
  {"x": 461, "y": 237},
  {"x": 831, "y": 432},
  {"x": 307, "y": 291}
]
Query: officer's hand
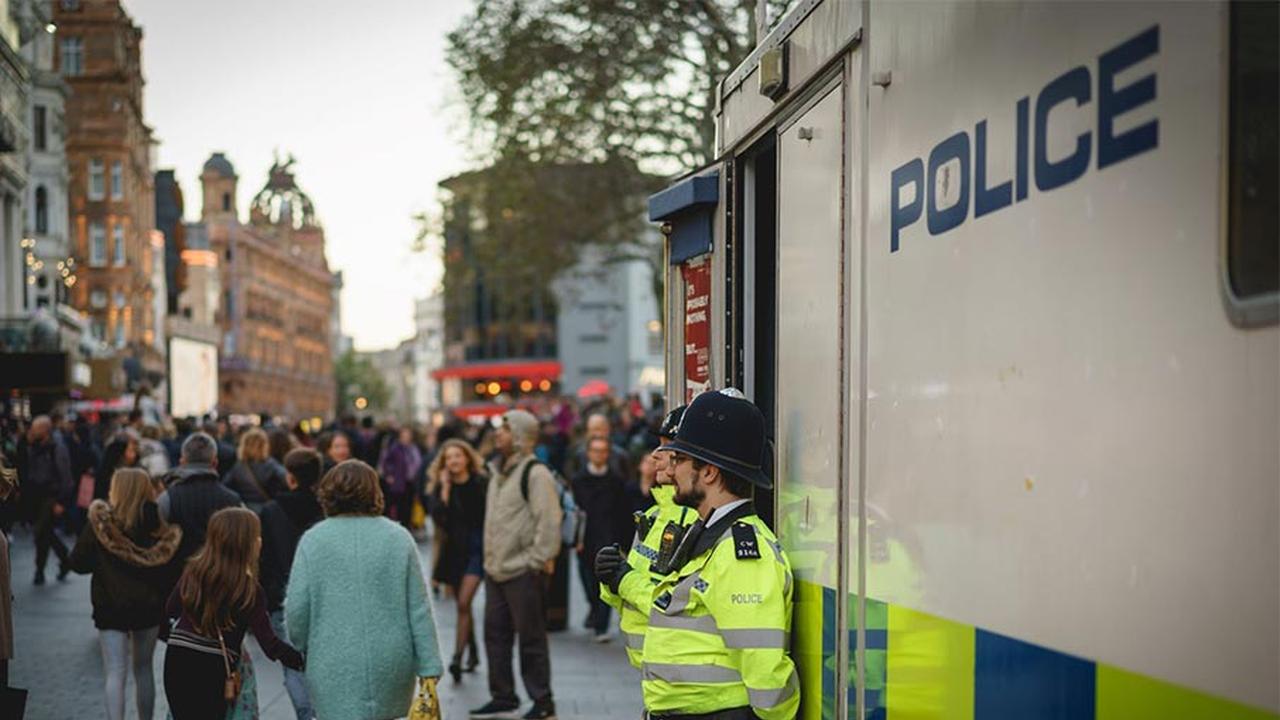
[{"x": 610, "y": 566}]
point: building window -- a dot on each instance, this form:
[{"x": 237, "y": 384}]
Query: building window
[
  {"x": 97, "y": 299},
  {"x": 117, "y": 239},
  {"x": 98, "y": 329},
  {"x": 39, "y": 128},
  {"x": 226, "y": 202},
  {"x": 1253, "y": 240},
  {"x": 120, "y": 332},
  {"x": 97, "y": 181},
  {"x": 588, "y": 339},
  {"x": 118, "y": 298},
  {"x": 97, "y": 245},
  {"x": 71, "y": 5},
  {"x": 594, "y": 371},
  {"x": 42, "y": 210},
  {"x": 72, "y": 56},
  {"x": 117, "y": 180}
]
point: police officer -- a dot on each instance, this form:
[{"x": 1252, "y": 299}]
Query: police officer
[
  {"x": 716, "y": 646},
  {"x": 658, "y": 533}
]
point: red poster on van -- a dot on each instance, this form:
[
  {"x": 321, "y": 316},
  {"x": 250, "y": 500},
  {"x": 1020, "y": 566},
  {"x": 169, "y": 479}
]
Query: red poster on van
[{"x": 697, "y": 326}]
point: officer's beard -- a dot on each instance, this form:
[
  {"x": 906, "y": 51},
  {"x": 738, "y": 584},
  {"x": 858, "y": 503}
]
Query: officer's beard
[{"x": 692, "y": 498}]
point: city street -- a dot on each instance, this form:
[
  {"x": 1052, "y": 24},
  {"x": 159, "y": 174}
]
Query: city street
[{"x": 57, "y": 658}]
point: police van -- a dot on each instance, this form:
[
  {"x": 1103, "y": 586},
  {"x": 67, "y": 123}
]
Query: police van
[{"x": 1004, "y": 279}]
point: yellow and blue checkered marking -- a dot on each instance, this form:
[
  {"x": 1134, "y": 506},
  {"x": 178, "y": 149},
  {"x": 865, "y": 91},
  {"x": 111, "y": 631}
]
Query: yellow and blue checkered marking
[{"x": 923, "y": 667}]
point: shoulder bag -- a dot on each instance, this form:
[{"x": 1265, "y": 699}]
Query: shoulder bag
[{"x": 230, "y": 688}]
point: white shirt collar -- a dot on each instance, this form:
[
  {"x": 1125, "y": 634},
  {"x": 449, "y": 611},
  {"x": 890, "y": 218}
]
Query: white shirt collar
[{"x": 722, "y": 511}]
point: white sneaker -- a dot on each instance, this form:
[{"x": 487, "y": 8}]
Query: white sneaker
[{"x": 604, "y": 637}]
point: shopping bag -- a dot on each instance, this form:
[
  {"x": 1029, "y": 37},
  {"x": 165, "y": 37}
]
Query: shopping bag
[
  {"x": 13, "y": 703},
  {"x": 426, "y": 704},
  {"x": 419, "y": 515},
  {"x": 84, "y": 494}
]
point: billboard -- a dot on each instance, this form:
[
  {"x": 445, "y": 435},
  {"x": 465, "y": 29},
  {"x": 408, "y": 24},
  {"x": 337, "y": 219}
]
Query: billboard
[
  {"x": 33, "y": 371},
  {"x": 193, "y": 377}
]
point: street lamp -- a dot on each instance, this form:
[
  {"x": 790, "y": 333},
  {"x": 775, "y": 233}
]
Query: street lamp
[{"x": 362, "y": 403}]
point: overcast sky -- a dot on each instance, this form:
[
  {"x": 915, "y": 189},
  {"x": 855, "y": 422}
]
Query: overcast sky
[{"x": 357, "y": 91}]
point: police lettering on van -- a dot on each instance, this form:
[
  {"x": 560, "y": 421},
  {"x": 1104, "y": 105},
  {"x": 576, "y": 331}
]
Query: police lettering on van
[{"x": 1074, "y": 85}]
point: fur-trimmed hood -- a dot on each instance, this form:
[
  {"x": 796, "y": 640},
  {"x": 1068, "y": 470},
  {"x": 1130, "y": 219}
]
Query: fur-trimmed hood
[{"x": 113, "y": 539}]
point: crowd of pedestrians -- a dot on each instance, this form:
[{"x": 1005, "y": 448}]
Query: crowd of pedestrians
[{"x": 200, "y": 534}]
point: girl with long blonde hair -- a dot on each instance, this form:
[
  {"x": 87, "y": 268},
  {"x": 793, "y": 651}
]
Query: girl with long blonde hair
[
  {"x": 458, "y": 484},
  {"x": 216, "y": 602},
  {"x": 130, "y": 552}
]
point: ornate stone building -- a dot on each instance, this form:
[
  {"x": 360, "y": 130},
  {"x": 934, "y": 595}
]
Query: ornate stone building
[
  {"x": 51, "y": 275},
  {"x": 16, "y": 253},
  {"x": 277, "y": 357},
  {"x": 110, "y": 192}
]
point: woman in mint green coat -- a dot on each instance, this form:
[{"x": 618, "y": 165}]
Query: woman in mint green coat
[{"x": 357, "y": 605}]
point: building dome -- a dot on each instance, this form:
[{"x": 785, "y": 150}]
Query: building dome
[
  {"x": 281, "y": 201},
  {"x": 219, "y": 163}
]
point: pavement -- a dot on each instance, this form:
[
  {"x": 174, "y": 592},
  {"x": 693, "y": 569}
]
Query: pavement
[{"x": 58, "y": 659}]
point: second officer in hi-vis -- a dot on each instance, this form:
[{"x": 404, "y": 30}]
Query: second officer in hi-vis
[{"x": 658, "y": 531}]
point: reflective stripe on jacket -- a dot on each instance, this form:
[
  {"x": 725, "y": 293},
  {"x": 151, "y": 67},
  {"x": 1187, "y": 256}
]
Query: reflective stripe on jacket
[
  {"x": 719, "y": 629},
  {"x": 634, "y": 618}
]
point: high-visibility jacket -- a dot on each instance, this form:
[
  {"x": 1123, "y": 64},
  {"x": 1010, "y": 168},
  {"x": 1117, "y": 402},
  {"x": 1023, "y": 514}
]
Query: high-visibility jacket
[
  {"x": 720, "y": 628},
  {"x": 633, "y": 619}
]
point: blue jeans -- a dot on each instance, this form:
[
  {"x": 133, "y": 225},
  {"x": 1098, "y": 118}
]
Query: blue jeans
[
  {"x": 120, "y": 650},
  {"x": 295, "y": 683}
]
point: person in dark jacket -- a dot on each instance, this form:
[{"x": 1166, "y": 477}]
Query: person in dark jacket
[
  {"x": 335, "y": 447},
  {"x": 193, "y": 493},
  {"x": 255, "y": 478},
  {"x": 8, "y": 484},
  {"x": 226, "y": 452},
  {"x": 281, "y": 442},
  {"x": 284, "y": 520},
  {"x": 85, "y": 457},
  {"x": 599, "y": 490},
  {"x": 47, "y": 486},
  {"x": 398, "y": 465},
  {"x": 458, "y": 491},
  {"x": 130, "y": 552},
  {"x": 120, "y": 452},
  {"x": 598, "y": 425}
]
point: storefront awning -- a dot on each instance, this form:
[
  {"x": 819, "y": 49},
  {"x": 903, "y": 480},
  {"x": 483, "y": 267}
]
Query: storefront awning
[
  {"x": 479, "y": 410},
  {"x": 525, "y": 369}
]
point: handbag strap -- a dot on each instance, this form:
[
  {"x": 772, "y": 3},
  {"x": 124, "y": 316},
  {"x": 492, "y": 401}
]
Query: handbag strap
[
  {"x": 226, "y": 659},
  {"x": 257, "y": 484}
]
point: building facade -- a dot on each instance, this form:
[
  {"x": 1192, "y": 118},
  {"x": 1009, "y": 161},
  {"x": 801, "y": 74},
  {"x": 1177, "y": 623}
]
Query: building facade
[
  {"x": 52, "y": 275},
  {"x": 428, "y": 355},
  {"x": 17, "y": 256},
  {"x": 277, "y": 294},
  {"x": 339, "y": 343},
  {"x": 170, "y": 208},
  {"x": 594, "y": 320},
  {"x": 498, "y": 340},
  {"x": 200, "y": 299},
  {"x": 608, "y": 325},
  {"x": 111, "y": 187},
  {"x": 396, "y": 367}
]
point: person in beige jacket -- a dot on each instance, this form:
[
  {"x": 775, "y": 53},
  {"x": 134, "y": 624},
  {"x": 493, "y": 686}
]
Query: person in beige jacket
[{"x": 521, "y": 540}]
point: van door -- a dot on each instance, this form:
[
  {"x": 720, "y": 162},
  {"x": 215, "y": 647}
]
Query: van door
[{"x": 811, "y": 384}]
